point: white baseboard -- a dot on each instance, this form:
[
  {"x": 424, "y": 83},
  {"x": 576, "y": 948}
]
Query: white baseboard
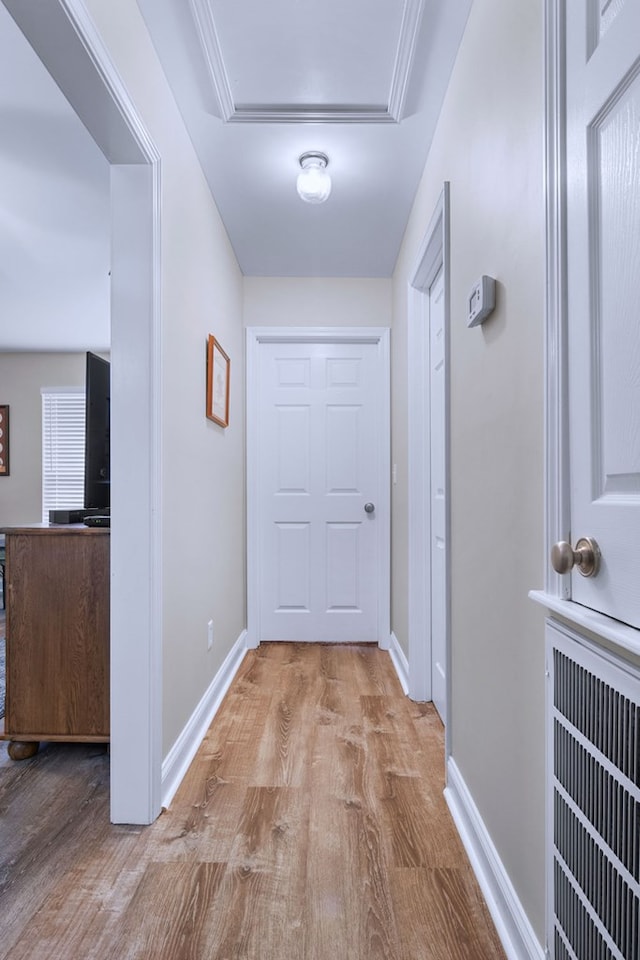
[
  {"x": 400, "y": 662},
  {"x": 179, "y": 758},
  {"x": 511, "y": 922}
]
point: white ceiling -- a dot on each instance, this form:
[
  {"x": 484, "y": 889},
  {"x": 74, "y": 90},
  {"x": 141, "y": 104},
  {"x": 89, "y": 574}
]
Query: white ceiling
[{"x": 258, "y": 82}]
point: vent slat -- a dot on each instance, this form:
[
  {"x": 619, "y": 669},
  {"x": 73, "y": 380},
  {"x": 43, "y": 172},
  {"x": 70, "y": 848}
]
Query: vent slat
[
  {"x": 609, "y": 808},
  {"x": 613, "y": 900},
  {"x": 595, "y": 739},
  {"x": 574, "y": 920},
  {"x": 610, "y": 721},
  {"x": 561, "y": 952}
]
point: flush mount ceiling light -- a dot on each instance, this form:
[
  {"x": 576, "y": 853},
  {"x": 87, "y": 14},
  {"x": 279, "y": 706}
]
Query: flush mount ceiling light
[{"x": 314, "y": 183}]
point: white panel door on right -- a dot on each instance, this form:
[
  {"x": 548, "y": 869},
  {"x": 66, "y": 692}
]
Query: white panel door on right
[
  {"x": 603, "y": 261},
  {"x": 318, "y": 468}
]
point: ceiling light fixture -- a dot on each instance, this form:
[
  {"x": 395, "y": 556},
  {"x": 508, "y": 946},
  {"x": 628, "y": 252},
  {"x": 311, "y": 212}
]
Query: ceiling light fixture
[{"x": 314, "y": 183}]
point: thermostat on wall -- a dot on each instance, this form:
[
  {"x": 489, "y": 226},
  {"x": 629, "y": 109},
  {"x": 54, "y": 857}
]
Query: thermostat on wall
[{"x": 482, "y": 301}]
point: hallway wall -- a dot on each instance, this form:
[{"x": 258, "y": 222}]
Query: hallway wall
[
  {"x": 489, "y": 145},
  {"x": 316, "y": 302},
  {"x": 202, "y": 463},
  {"x": 22, "y": 375}
]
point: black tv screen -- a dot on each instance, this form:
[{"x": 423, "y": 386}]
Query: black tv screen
[{"x": 97, "y": 472}]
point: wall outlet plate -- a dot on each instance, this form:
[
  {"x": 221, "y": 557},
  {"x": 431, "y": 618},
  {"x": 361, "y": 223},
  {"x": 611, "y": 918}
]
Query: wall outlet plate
[
  {"x": 482, "y": 301},
  {"x": 209, "y": 634}
]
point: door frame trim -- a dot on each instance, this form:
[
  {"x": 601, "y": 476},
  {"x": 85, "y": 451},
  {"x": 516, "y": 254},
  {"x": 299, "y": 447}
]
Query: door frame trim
[
  {"x": 557, "y": 496},
  {"x": 255, "y": 337},
  {"x": 66, "y": 39},
  {"x": 432, "y": 257}
]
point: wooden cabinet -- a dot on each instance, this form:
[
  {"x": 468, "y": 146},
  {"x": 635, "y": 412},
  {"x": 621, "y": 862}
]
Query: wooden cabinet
[{"x": 57, "y": 636}]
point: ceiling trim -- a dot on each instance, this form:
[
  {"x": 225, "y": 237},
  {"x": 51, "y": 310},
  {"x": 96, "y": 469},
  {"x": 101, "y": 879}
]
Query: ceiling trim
[
  {"x": 290, "y": 113},
  {"x": 231, "y": 112},
  {"x": 411, "y": 19},
  {"x": 206, "y": 27}
]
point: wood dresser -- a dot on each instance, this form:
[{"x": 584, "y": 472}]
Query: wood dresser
[{"x": 57, "y": 636}]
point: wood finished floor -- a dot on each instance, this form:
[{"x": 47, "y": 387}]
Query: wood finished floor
[{"x": 311, "y": 826}]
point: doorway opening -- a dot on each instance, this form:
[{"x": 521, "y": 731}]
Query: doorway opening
[
  {"x": 68, "y": 44},
  {"x": 429, "y": 484}
]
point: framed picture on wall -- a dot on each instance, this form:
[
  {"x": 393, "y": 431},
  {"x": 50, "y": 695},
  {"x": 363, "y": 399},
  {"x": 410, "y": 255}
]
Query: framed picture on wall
[
  {"x": 4, "y": 440},
  {"x": 218, "y": 373}
]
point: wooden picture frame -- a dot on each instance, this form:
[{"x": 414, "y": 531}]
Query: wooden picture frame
[
  {"x": 218, "y": 376},
  {"x": 4, "y": 440}
]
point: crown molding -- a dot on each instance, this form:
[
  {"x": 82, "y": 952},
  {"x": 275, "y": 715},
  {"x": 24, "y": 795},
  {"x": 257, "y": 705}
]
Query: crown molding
[
  {"x": 206, "y": 27},
  {"x": 413, "y": 10},
  {"x": 230, "y": 112},
  {"x": 294, "y": 113}
]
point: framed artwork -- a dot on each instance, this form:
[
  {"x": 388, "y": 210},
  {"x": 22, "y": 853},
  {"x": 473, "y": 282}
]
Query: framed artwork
[
  {"x": 4, "y": 440},
  {"x": 218, "y": 372}
]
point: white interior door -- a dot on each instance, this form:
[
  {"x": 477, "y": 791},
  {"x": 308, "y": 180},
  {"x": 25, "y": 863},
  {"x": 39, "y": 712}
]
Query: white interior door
[
  {"x": 320, "y": 490},
  {"x": 438, "y": 526},
  {"x": 428, "y": 473},
  {"x": 603, "y": 229}
]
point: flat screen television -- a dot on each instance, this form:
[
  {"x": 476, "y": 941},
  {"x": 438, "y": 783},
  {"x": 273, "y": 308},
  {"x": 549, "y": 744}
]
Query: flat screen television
[{"x": 97, "y": 473}]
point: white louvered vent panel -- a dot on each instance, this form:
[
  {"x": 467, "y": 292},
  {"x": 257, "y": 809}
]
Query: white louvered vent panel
[{"x": 594, "y": 804}]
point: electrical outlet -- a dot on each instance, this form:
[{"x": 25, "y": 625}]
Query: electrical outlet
[{"x": 209, "y": 634}]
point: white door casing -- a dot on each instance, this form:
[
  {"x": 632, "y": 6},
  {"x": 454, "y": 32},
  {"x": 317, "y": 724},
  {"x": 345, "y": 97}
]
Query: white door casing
[
  {"x": 438, "y": 493},
  {"x": 603, "y": 271},
  {"x": 65, "y": 38},
  {"x": 429, "y": 580},
  {"x": 318, "y": 451}
]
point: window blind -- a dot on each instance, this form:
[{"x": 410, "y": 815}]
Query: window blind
[{"x": 62, "y": 449}]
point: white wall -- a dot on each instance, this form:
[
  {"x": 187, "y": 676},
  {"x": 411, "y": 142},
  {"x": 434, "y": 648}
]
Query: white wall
[
  {"x": 21, "y": 377},
  {"x": 203, "y": 464},
  {"x": 489, "y": 145},
  {"x": 54, "y": 218},
  {"x": 311, "y": 302}
]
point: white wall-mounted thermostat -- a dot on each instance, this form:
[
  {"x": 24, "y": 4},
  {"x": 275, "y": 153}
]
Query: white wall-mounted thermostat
[{"x": 482, "y": 301}]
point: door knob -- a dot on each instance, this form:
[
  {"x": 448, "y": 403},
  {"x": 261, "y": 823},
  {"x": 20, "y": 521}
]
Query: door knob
[
  {"x": 369, "y": 507},
  {"x": 586, "y": 556}
]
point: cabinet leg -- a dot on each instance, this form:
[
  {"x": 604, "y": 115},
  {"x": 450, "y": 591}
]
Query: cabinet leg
[{"x": 22, "y": 749}]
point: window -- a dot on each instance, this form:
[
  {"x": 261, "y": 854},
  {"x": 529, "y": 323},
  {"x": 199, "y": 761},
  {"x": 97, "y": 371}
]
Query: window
[{"x": 62, "y": 448}]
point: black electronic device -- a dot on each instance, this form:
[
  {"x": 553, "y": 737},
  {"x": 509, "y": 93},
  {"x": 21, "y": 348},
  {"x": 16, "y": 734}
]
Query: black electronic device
[
  {"x": 97, "y": 453},
  {"x": 69, "y": 516},
  {"x": 97, "y": 520}
]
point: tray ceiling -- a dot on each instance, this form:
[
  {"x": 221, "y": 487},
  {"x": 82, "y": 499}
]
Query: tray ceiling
[
  {"x": 260, "y": 82},
  {"x": 295, "y": 62}
]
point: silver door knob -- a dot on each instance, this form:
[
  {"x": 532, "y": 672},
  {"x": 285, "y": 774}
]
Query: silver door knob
[
  {"x": 586, "y": 556},
  {"x": 369, "y": 507}
]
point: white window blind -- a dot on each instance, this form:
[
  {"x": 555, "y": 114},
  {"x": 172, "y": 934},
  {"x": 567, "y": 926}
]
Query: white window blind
[{"x": 62, "y": 449}]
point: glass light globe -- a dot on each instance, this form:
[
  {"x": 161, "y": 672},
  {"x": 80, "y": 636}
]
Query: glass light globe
[{"x": 313, "y": 183}]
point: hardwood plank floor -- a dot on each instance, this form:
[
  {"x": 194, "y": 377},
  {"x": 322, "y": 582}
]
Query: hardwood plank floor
[{"x": 310, "y": 826}]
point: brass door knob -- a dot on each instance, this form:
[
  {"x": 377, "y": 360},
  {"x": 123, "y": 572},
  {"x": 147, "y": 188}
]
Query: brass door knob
[{"x": 585, "y": 556}]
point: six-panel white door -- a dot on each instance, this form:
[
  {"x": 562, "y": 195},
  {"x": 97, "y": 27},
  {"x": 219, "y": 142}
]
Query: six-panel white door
[
  {"x": 318, "y": 467},
  {"x": 603, "y": 231}
]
